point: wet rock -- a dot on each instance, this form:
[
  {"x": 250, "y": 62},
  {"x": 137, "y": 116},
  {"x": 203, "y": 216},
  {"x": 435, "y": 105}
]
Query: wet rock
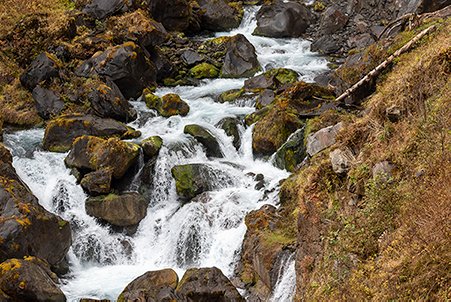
[
  {"x": 151, "y": 146},
  {"x": 204, "y": 71},
  {"x": 240, "y": 60},
  {"x": 100, "y": 9},
  {"x": 230, "y": 127},
  {"x": 207, "y": 284},
  {"x": 322, "y": 139},
  {"x": 293, "y": 152},
  {"x": 151, "y": 286},
  {"x": 61, "y": 132},
  {"x": 191, "y": 57},
  {"x": 42, "y": 69},
  {"x": 93, "y": 153},
  {"x": 169, "y": 105},
  {"x": 272, "y": 79},
  {"x": 124, "y": 210},
  {"x": 175, "y": 15},
  {"x": 138, "y": 27},
  {"x": 98, "y": 182},
  {"x": 332, "y": 20},
  {"x": 48, "y": 103},
  {"x": 281, "y": 19},
  {"x": 107, "y": 101},
  {"x": 341, "y": 160},
  {"x": 325, "y": 45},
  {"x": 219, "y": 15},
  {"x": 125, "y": 65},
  {"x": 194, "y": 179},
  {"x": 204, "y": 136},
  {"x": 29, "y": 279},
  {"x": 421, "y": 6},
  {"x": 202, "y": 198},
  {"x": 28, "y": 229}
]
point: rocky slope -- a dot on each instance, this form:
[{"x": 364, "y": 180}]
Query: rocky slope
[{"x": 366, "y": 209}]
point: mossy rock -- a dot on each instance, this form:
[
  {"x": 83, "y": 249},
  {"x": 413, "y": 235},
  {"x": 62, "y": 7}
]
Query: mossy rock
[
  {"x": 206, "y": 138},
  {"x": 292, "y": 153},
  {"x": 169, "y": 105},
  {"x": 151, "y": 146},
  {"x": 204, "y": 71},
  {"x": 230, "y": 96}
]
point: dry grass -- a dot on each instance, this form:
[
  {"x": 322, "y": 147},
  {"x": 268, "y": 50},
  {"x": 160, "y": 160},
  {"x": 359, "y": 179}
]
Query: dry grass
[{"x": 12, "y": 11}]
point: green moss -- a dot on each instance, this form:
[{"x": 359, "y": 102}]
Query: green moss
[
  {"x": 231, "y": 95},
  {"x": 283, "y": 75},
  {"x": 319, "y": 6},
  {"x": 204, "y": 71},
  {"x": 277, "y": 237},
  {"x": 184, "y": 183}
]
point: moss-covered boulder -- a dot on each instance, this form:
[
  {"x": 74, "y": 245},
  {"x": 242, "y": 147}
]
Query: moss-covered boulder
[
  {"x": 48, "y": 103},
  {"x": 272, "y": 79},
  {"x": 93, "y": 153},
  {"x": 204, "y": 71},
  {"x": 206, "y": 138},
  {"x": 207, "y": 284},
  {"x": 98, "y": 182},
  {"x": 124, "y": 210},
  {"x": 152, "y": 286},
  {"x": 126, "y": 65},
  {"x": 169, "y": 105},
  {"x": 151, "y": 146},
  {"x": 43, "y": 68},
  {"x": 61, "y": 132},
  {"x": 194, "y": 179},
  {"x": 29, "y": 279},
  {"x": 293, "y": 152},
  {"x": 26, "y": 227}
]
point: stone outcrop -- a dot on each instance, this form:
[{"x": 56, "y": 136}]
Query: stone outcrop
[{"x": 206, "y": 138}]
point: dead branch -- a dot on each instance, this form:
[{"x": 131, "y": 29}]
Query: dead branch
[{"x": 376, "y": 71}]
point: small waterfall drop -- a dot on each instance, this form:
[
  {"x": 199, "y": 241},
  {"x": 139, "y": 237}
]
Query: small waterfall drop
[{"x": 285, "y": 287}]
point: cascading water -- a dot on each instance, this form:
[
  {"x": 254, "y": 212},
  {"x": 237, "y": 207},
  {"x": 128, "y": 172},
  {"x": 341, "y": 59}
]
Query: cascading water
[
  {"x": 197, "y": 234},
  {"x": 286, "y": 284}
]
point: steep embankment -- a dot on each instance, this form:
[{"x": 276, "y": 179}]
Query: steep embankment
[{"x": 380, "y": 228}]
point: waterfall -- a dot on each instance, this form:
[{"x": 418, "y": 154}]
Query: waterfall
[
  {"x": 173, "y": 234},
  {"x": 285, "y": 287}
]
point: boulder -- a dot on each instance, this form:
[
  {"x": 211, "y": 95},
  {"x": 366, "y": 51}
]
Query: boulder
[
  {"x": 325, "y": 45},
  {"x": 219, "y": 15},
  {"x": 203, "y": 136},
  {"x": 207, "y": 284},
  {"x": 42, "y": 69},
  {"x": 151, "y": 146},
  {"x": 240, "y": 59},
  {"x": 98, "y": 182},
  {"x": 204, "y": 71},
  {"x": 48, "y": 103},
  {"x": 322, "y": 139},
  {"x": 138, "y": 26},
  {"x": 341, "y": 160},
  {"x": 61, "y": 132},
  {"x": 27, "y": 228},
  {"x": 100, "y": 9},
  {"x": 272, "y": 79},
  {"x": 230, "y": 127},
  {"x": 194, "y": 179},
  {"x": 29, "y": 279},
  {"x": 107, "y": 101},
  {"x": 175, "y": 15},
  {"x": 333, "y": 20},
  {"x": 191, "y": 57},
  {"x": 169, "y": 105},
  {"x": 93, "y": 153},
  {"x": 126, "y": 65},
  {"x": 124, "y": 210},
  {"x": 280, "y": 19},
  {"x": 292, "y": 153},
  {"x": 151, "y": 286}
]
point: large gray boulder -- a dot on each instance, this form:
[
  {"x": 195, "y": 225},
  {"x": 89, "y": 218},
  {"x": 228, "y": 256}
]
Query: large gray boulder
[
  {"x": 281, "y": 19},
  {"x": 48, "y": 103},
  {"x": 42, "y": 69},
  {"x": 100, "y": 9},
  {"x": 322, "y": 139},
  {"x": 241, "y": 59},
  {"x": 175, "y": 15},
  {"x": 218, "y": 15}
]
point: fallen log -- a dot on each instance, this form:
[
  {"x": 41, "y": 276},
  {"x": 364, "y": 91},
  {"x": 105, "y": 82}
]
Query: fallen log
[{"x": 376, "y": 71}]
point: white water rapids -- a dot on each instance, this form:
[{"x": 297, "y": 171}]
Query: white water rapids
[{"x": 197, "y": 234}]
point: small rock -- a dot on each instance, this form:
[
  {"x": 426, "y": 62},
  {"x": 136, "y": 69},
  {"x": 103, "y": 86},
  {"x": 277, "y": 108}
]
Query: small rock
[
  {"x": 100, "y": 9},
  {"x": 169, "y": 105},
  {"x": 393, "y": 113},
  {"x": 332, "y": 20},
  {"x": 151, "y": 146},
  {"x": 98, "y": 182},
  {"x": 383, "y": 171},
  {"x": 230, "y": 126},
  {"x": 206, "y": 138},
  {"x": 191, "y": 57},
  {"x": 341, "y": 160},
  {"x": 322, "y": 139}
]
